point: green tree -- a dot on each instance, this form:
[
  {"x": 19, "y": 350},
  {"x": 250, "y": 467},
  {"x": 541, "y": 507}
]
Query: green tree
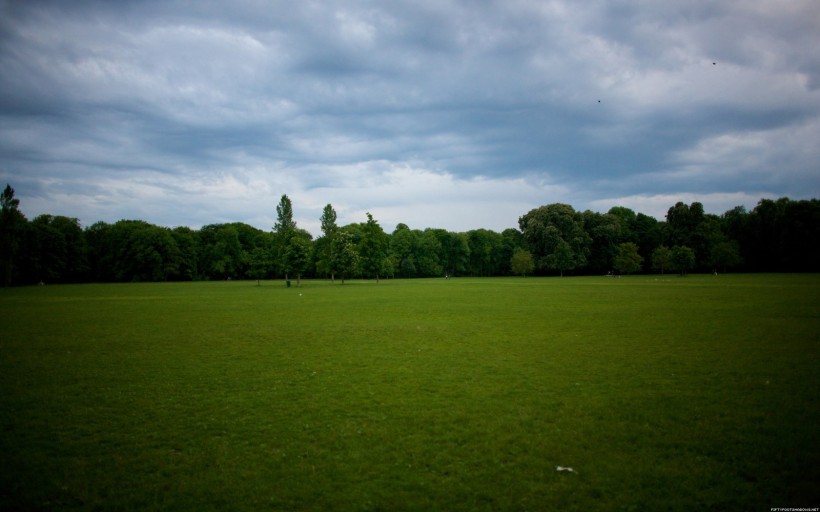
[
  {"x": 99, "y": 240},
  {"x": 45, "y": 250},
  {"x": 259, "y": 263},
  {"x": 284, "y": 213},
  {"x": 220, "y": 251},
  {"x": 681, "y": 223},
  {"x": 485, "y": 250},
  {"x": 511, "y": 241},
  {"x": 328, "y": 220},
  {"x": 648, "y": 235},
  {"x": 605, "y": 232},
  {"x": 56, "y": 250},
  {"x": 187, "y": 241},
  {"x": 142, "y": 252},
  {"x": 661, "y": 258},
  {"x": 801, "y": 236},
  {"x": 627, "y": 260},
  {"x": 556, "y": 237},
  {"x": 683, "y": 259},
  {"x": 403, "y": 247},
  {"x": 521, "y": 262},
  {"x": 562, "y": 258},
  {"x": 783, "y": 236},
  {"x": 415, "y": 253},
  {"x": 284, "y": 230},
  {"x": 626, "y": 220},
  {"x": 12, "y": 224},
  {"x": 735, "y": 224},
  {"x": 324, "y": 244},
  {"x": 725, "y": 255},
  {"x": 373, "y": 248},
  {"x": 297, "y": 254},
  {"x": 344, "y": 258},
  {"x": 455, "y": 252},
  {"x": 428, "y": 248}
]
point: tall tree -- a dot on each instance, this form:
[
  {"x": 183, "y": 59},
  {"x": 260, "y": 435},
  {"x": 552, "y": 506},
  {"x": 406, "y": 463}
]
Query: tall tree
[
  {"x": 324, "y": 244},
  {"x": 284, "y": 230},
  {"x": 328, "y": 220},
  {"x": 284, "y": 216},
  {"x": 373, "y": 248},
  {"x": 12, "y": 223}
]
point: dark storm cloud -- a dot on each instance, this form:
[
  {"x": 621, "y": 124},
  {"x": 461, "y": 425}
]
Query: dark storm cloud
[{"x": 190, "y": 113}]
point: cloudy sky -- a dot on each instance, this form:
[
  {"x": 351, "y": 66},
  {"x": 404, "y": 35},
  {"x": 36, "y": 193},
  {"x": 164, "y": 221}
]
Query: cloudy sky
[{"x": 434, "y": 113}]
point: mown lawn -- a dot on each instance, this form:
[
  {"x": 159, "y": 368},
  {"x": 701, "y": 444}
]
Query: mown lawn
[{"x": 663, "y": 393}]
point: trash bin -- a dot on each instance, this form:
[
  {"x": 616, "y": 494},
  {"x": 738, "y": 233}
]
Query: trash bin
[{"x": 288, "y": 283}]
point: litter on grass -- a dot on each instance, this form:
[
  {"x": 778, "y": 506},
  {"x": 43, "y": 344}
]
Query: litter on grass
[{"x": 565, "y": 469}]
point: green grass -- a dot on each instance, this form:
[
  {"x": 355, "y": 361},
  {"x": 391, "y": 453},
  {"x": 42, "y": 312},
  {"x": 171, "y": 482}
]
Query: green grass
[{"x": 663, "y": 393}]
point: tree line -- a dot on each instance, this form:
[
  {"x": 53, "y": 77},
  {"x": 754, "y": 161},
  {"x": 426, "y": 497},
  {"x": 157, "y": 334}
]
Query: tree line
[{"x": 776, "y": 236}]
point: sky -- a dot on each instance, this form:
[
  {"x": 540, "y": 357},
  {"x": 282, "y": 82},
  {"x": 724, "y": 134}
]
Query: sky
[{"x": 433, "y": 113}]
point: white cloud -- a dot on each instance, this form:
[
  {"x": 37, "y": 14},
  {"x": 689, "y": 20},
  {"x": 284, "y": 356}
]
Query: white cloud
[
  {"x": 776, "y": 157},
  {"x": 400, "y": 193}
]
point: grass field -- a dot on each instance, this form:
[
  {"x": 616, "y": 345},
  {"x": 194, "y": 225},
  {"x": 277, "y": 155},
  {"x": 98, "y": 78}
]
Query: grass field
[{"x": 663, "y": 393}]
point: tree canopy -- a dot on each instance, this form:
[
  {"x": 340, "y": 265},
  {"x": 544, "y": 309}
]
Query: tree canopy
[{"x": 777, "y": 235}]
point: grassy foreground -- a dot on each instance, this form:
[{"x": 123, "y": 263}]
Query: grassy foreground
[{"x": 662, "y": 393}]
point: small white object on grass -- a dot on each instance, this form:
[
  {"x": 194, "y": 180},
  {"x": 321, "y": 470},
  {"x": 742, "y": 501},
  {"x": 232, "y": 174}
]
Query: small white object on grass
[{"x": 565, "y": 469}]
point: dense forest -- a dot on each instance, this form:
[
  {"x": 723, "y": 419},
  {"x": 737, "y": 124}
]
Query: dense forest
[{"x": 776, "y": 236}]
